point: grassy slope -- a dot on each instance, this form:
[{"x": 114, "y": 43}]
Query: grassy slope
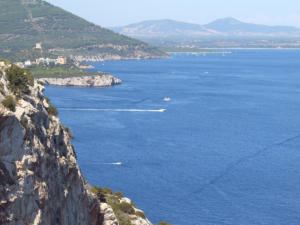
[{"x": 60, "y": 71}]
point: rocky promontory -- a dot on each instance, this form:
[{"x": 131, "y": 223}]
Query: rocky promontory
[
  {"x": 83, "y": 81},
  {"x": 40, "y": 181}
]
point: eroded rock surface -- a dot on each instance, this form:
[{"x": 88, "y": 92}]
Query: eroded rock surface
[
  {"x": 40, "y": 181},
  {"x": 84, "y": 81}
]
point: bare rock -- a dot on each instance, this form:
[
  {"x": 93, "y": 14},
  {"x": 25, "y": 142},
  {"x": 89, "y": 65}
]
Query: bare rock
[{"x": 84, "y": 81}]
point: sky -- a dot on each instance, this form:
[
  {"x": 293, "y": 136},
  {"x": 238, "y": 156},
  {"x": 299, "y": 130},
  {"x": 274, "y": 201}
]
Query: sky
[{"x": 108, "y": 13}]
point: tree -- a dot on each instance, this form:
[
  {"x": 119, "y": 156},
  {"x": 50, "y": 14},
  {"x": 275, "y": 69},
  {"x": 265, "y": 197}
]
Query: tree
[{"x": 19, "y": 80}]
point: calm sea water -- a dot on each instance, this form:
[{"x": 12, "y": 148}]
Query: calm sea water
[{"x": 226, "y": 150}]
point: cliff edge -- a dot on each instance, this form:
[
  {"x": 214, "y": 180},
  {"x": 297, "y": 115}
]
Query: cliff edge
[
  {"x": 83, "y": 81},
  {"x": 40, "y": 181}
]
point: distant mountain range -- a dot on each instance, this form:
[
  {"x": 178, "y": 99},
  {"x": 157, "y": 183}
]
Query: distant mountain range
[
  {"x": 23, "y": 23},
  {"x": 227, "y": 27}
]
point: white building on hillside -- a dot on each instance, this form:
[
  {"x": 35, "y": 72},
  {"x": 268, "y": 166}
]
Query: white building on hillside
[
  {"x": 38, "y": 45},
  {"x": 27, "y": 63},
  {"x": 46, "y": 61},
  {"x": 62, "y": 60},
  {"x": 20, "y": 64}
]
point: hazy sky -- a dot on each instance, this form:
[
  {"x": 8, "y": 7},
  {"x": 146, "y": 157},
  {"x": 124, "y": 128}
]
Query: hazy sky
[{"x": 122, "y": 12}]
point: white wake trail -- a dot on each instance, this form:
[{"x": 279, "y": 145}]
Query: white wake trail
[
  {"x": 114, "y": 110},
  {"x": 115, "y": 163}
]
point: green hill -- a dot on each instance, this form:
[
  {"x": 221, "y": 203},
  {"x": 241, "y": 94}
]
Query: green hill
[{"x": 23, "y": 23}]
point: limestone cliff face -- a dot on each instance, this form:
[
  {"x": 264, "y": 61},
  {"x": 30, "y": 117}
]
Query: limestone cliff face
[
  {"x": 135, "y": 55},
  {"x": 40, "y": 181},
  {"x": 84, "y": 81}
]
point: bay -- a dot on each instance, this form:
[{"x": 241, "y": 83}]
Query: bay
[{"x": 225, "y": 151}]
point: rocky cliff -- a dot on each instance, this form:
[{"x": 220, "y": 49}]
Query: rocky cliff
[
  {"x": 84, "y": 81},
  {"x": 40, "y": 181}
]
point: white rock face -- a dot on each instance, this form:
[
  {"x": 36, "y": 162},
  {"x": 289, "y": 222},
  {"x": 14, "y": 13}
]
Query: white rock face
[
  {"x": 126, "y": 200},
  {"x": 104, "y": 57},
  {"x": 84, "y": 81},
  {"x": 40, "y": 181},
  {"x": 109, "y": 216},
  {"x": 139, "y": 220}
]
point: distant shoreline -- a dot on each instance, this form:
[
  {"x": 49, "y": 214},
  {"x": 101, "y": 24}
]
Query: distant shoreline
[
  {"x": 225, "y": 52},
  {"x": 208, "y": 52},
  {"x": 253, "y": 48}
]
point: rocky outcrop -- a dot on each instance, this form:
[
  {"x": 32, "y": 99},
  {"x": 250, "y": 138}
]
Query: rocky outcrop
[
  {"x": 84, "y": 81},
  {"x": 108, "y": 57},
  {"x": 136, "y": 220},
  {"x": 40, "y": 181}
]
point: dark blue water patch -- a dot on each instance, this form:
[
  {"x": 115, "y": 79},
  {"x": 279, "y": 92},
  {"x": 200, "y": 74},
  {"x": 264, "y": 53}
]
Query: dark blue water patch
[{"x": 225, "y": 151}]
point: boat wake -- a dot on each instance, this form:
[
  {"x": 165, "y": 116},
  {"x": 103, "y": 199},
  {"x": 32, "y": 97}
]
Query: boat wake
[
  {"x": 115, "y": 163},
  {"x": 231, "y": 167},
  {"x": 113, "y": 110}
]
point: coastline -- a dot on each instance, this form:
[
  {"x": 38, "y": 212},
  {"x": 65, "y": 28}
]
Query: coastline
[
  {"x": 185, "y": 52},
  {"x": 254, "y": 48},
  {"x": 95, "y": 58},
  {"x": 226, "y": 52},
  {"x": 82, "y": 81}
]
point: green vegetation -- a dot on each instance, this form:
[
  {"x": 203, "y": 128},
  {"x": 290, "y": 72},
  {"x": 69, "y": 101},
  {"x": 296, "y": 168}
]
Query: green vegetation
[
  {"x": 5, "y": 61},
  {"x": 52, "y": 110},
  {"x": 23, "y": 167},
  {"x": 60, "y": 71},
  {"x": 118, "y": 194},
  {"x": 98, "y": 190},
  {"x": 24, "y": 122},
  {"x": 19, "y": 80},
  {"x": 10, "y": 103},
  {"x": 140, "y": 214},
  {"x": 126, "y": 208},
  {"x": 123, "y": 211},
  {"x": 69, "y": 131},
  {"x": 25, "y": 23},
  {"x": 2, "y": 88},
  {"x": 47, "y": 99}
]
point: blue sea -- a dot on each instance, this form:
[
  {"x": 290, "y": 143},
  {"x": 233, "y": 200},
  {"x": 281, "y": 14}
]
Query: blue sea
[{"x": 225, "y": 151}]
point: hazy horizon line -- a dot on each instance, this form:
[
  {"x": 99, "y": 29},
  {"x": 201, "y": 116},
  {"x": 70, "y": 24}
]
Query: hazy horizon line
[{"x": 195, "y": 23}]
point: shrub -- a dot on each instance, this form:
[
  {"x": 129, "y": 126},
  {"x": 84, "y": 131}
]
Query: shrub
[
  {"x": 40, "y": 82},
  {"x": 23, "y": 167},
  {"x": 118, "y": 194},
  {"x": 2, "y": 88},
  {"x": 52, "y": 111},
  {"x": 72, "y": 146},
  {"x": 24, "y": 122},
  {"x": 140, "y": 214},
  {"x": 97, "y": 190},
  {"x": 69, "y": 131},
  {"x": 10, "y": 103},
  {"x": 164, "y": 223},
  {"x": 106, "y": 190},
  {"x": 19, "y": 80},
  {"x": 47, "y": 99},
  {"x": 126, "y": 207}
]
